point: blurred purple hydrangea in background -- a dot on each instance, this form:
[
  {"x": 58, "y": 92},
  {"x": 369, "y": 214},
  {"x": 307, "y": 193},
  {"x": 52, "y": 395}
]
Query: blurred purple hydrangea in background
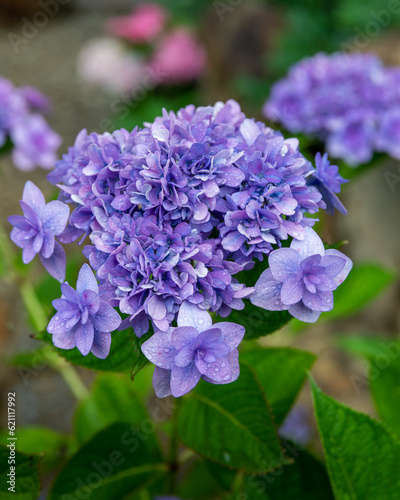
[
  {"x": 35, "y": 231},
  {"x": 301, "y": 278},
  {"x": 194, "y": 349},
  {"x": 35, "y": 144},
  {"x": 83, "y": 320},
  {"x": 296, "y": 426},
  {"x": 349, "y": 101}
]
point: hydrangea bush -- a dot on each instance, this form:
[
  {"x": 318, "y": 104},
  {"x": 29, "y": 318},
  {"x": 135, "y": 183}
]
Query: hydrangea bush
[
  {"x": 198, "y": 232},
  {"x": 171, "y": 214},
  {"x": 351, "y": 102}
]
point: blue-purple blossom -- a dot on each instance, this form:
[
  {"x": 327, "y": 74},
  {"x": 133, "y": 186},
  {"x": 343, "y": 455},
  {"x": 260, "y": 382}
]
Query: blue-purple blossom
[
  {"x": 327, "y": 180},
  {"x": 301, "y": 278},
  {"x": 35, "y": 231},
  {"x": 175, "y": 210},
  {"x": 83, "y": 319},
  {"x": 194, "y": 349},
  {"x": 296, "y": 426},
  {"x": 349, "y": 101},
  {"x": 34, "y": 142}
]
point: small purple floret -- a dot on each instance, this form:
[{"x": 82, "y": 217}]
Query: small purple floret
[
  {"x": 35, "y": 231},
  {"x": 301, "y": 278},
  {"x": 83, "y": 319},
  {"x": 194, "y": 349}
]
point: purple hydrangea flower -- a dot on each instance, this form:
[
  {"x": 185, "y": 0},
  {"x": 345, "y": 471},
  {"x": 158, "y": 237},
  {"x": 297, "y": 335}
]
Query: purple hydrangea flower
[
  {"x": 327, "y": 180},
  {"x": 194, "y": 349},
  {"x": 175, "y": 210},
  {"x": 349, "y": 101},
  {"x": 83, "y": 319},
  {"x": 301, "y": 278},
  {"x": 35, "y": 143},
  {"x": 35, "y": 231}
]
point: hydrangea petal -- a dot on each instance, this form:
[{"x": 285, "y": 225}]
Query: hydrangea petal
[
  {"x": 192, "y": 315},
  {"x": 162, "y": 382},
  {"x": 159, "y": 350},
  {"x": 284, "y": 263},
  {"x": 267, "y": 293},
  {"x": 311, "y": 245},
  {"x": 183, "y": 380}
]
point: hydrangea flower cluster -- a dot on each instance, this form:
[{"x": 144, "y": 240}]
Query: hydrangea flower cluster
[
  {"x": 349, "y": 101},
  {"x": 173, "y": 212},
  {"x": 21, "y": 121}
]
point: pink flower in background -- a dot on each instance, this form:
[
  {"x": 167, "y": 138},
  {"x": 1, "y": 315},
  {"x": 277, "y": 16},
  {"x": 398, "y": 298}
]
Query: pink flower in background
[
  {"x": 179, "y": 57},
  {"x": 143, "y": 25},
  {"x": 106, "y": 63}
]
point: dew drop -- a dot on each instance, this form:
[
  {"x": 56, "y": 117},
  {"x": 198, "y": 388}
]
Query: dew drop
[
  {"x": 227, "y": 457},
  {"x": 166, "y": 350},
  {"x": 223, "y": 365},
  {"x": 201, "y": 321},
  {"x": 216, "y": 369},
  {"x": 227, "y": 377},
  {"x": 208, "y": 366}
]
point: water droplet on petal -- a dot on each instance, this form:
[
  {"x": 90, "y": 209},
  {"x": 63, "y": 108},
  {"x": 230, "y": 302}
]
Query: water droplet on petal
[
  {"x": 216, "y": 369},
  {"x": 227, "y": 377},
  {"x": 223, "y": 365},
  {"x": 201, "y": 321}
]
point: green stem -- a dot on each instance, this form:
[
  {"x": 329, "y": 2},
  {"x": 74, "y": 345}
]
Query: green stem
[
  {"x": 173, "y": 453},
  {"x": 32, "y": 303},
  {"x": 71, "y": 378}
]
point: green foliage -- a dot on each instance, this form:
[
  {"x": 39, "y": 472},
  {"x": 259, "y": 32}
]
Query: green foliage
[
  {"x": 305, "y": 479},
  {"x": 112, "y": 399},
  {"x": 362, "y": 455},
  {"x": 385, "y": 387},
  {"x": 41, "y": 441},
  {"x": 27, "y": 485},
  {"x": 281, "y": 372},
  {"x": 230, "y": 424},
  {"x": 258, "y": 322},
  {"x": 125, "y": 354},
  {"x": 384, "y": 374},
  {"x": 115, "y": 462}
]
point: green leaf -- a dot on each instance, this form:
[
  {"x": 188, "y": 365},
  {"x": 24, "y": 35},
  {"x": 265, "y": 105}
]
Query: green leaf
[
  {"x": 385, "y": 388},
  {"x": 124, "y": 353},
  {"x": 281, "y": 372},
  {"x": 384, "y": 374},
  {"x": 362, "y": 455},
  {"x": 305, "y": 479},
  {"x": 230, "y": 424},
  {"x": 115, "y": 462},
  {"x": 257, "y": 321},
  {"x": 112, "y": 399},
  {"x": 27, "y": 485},
  {"x": 41, "y": 440}
]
